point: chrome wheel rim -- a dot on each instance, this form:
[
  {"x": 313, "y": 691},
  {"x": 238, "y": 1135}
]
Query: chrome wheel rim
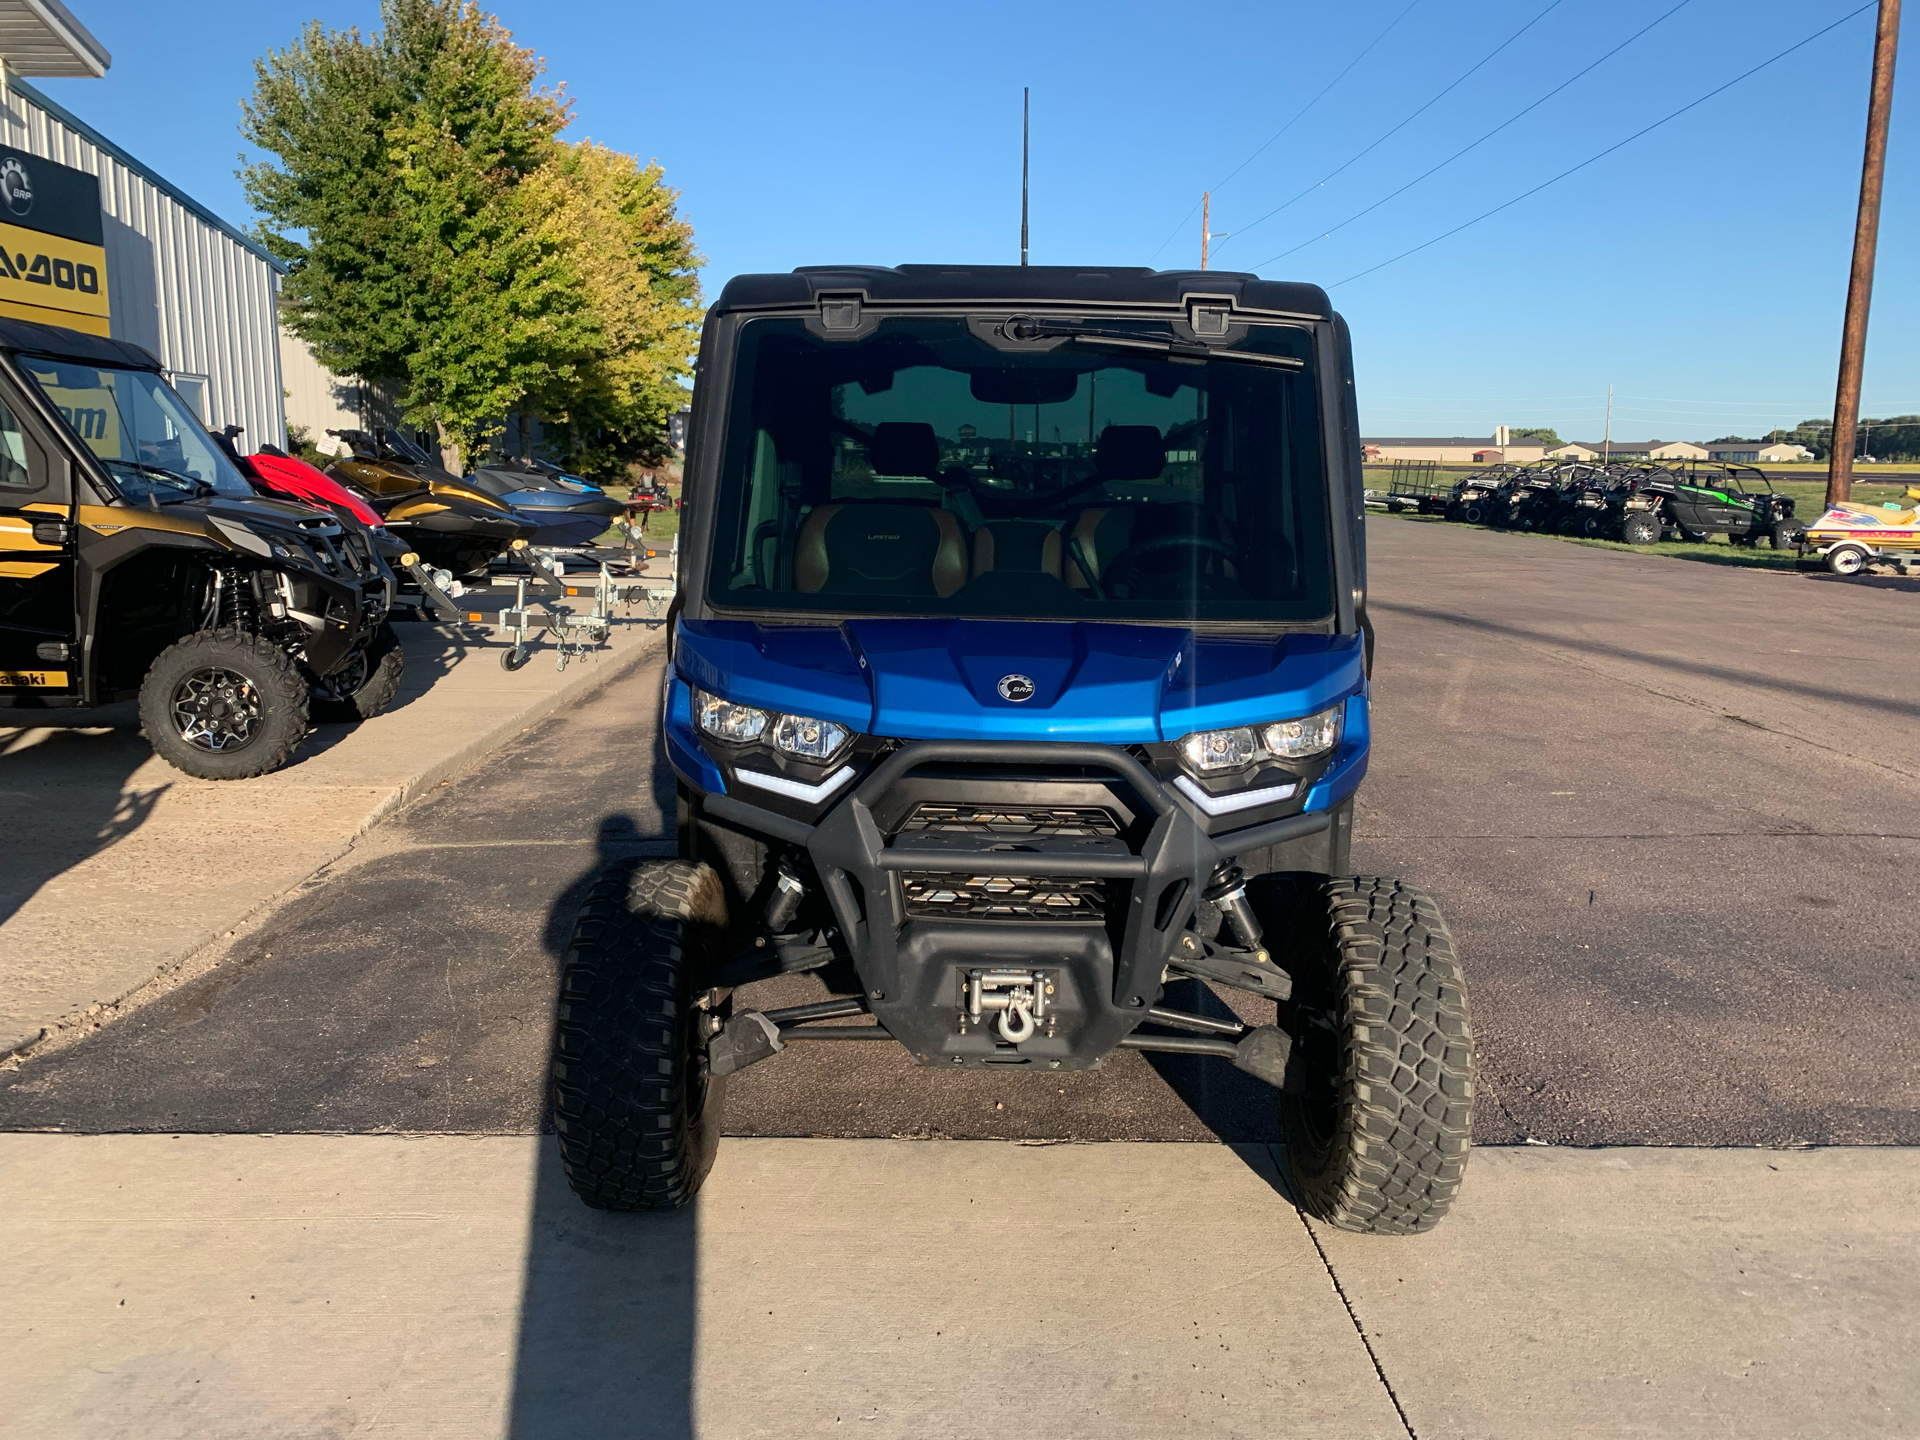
[{"x": 216, "y": 709}]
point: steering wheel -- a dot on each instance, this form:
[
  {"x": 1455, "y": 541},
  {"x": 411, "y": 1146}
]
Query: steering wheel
[{"x": 1123, "y": 572}]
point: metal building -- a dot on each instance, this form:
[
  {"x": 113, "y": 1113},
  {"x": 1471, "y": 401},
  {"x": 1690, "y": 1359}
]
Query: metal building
[{"x": 181, "y": 281}]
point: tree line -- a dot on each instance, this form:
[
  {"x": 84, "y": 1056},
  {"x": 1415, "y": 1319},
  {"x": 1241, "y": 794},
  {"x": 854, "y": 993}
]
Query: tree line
[
  {"x": 443, "y": 238},
  {"x": 1897, "y": 437}
]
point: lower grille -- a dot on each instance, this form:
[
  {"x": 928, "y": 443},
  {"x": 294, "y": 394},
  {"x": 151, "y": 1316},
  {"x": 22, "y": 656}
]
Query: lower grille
[
  {"x": 933, "y": 894},
  {"x": 1077, "y": 820}
]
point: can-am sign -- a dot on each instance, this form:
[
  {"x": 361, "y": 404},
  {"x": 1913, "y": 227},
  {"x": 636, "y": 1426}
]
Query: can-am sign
[{"x": 53, "y": 259}]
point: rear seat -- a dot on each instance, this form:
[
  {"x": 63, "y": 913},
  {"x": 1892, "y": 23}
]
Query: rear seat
[{"x": 1123, "y": 452}]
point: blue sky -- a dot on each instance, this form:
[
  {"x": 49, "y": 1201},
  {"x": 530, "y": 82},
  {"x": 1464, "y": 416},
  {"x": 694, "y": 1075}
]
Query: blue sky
[{"x": 1700, "y": 270}]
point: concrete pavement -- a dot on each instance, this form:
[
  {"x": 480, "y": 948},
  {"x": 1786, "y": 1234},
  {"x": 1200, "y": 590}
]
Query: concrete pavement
[
  {"x": 248, "y": 1286},
  {"x": 119, "y": 867}
]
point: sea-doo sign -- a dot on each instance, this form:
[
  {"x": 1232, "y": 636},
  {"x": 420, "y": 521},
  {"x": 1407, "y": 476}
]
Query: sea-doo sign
[{"x": 53, "y": 260}]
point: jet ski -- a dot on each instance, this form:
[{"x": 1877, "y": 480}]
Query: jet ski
[
  {"x": 569, "y": 511},
  {"x": 448, "y": 523}
]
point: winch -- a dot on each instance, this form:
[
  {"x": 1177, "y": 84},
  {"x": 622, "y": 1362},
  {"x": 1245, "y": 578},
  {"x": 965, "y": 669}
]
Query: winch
[{"x": 1019, "y": 1001}]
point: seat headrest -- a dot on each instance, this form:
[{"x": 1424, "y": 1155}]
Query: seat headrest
[
  {"x": 904, "y": 447},
  {"x": 1130, "y": 452}
]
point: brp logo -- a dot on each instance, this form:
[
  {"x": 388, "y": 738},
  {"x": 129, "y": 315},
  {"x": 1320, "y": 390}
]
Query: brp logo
[
  {"x": 1015, "y": 688},
  {"x": 15, "y": 187}
]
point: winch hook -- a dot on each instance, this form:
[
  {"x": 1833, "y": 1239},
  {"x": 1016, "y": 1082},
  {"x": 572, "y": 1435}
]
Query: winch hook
[{"x": 1015, "y": 1023}]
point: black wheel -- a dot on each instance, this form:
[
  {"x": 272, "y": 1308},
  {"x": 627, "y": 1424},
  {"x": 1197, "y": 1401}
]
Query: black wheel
[
  {"x": 1378, "y": 1109},
  {"x": 1455, "y": 511},
  {"x": 1640, "y": 528},
  {"x": 224, "y": 705},
  {"x": 1693, "y": 537},
  {"x": 1783, "y": 537},
  {"x": 366, "y": 685},
  {"x": 1474, "y": 514},
  {"x": 637, "y": 1114},
  {"x": 513, "y": 657}
]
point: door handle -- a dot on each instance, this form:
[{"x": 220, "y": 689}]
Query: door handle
[{"x": 52, "y": 532}]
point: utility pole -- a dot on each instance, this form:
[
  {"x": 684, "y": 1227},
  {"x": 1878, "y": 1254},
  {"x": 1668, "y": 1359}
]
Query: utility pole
[
  {"x": 1207, "y": 232},
  {"x": 1026, "y": 127},
  {"x": 1866, "y": 238},
  {"x": 1606, "y": 445}
]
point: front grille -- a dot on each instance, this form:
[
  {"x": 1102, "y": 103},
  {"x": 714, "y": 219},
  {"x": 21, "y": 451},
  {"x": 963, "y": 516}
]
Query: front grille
[
  {"x": 1070, "y": 820},
  {"x": 932, "y": 893}
]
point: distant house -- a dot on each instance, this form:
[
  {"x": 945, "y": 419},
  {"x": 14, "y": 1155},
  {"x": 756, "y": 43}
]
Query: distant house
[
  {"x": 1755, "y": 452},
  {"x": 1573, "y": 450},
  {"x": 1454, "y": 449},
  {"x": 1633, "y": 450}
]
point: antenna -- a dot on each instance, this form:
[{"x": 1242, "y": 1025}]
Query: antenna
[{"x": 1026, "y": 126}]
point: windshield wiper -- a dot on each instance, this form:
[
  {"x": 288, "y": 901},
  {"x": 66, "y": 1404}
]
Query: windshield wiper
[
  {"x": 196, "y": 487},
  {"x": 1101, "y": 338}
]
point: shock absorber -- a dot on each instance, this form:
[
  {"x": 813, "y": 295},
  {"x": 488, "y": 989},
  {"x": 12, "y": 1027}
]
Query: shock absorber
[
  {"x": 1227, "y": 892},
  {"x": 784, "y": 903}
]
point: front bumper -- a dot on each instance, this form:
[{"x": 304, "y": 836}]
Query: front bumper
[{"x": 1105, "y": 961}]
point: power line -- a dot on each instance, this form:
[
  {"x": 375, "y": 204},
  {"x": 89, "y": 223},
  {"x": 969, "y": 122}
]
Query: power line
[
  {"x": 1461, "y": 80},
  {"x": 1518, "y": 115},
  {"x": 1673, "y": 115},
  {"x": 1289, "y": 125}
]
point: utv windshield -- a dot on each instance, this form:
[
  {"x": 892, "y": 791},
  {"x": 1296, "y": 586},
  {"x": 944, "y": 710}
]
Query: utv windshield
[
  {"x": 144, "y": 434},
  {"x": 1100, "y": 472}
]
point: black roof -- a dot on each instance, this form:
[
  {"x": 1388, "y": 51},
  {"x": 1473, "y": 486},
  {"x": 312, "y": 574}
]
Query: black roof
[
  {"x": 28, "y": 337},
  {"x": 1021, "y": 284}
]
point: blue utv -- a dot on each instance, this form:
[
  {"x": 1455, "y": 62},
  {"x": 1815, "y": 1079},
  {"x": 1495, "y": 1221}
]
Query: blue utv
[{"x": 1020, "y": 661}]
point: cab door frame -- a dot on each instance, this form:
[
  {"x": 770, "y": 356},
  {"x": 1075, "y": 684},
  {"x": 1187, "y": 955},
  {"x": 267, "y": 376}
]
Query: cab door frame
[{"x": 42, "y": 637}]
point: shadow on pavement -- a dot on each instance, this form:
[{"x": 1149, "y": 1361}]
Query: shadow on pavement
[
  {"x": 63, "y": 795},
  {"x": 606, "y": 1320},
  {"x": 607, "y": 1311},
  {"x": 1235, "y": 1106}
]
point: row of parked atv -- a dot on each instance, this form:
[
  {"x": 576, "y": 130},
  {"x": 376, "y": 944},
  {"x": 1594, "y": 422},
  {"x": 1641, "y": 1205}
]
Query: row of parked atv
[{"x": 1639, "y": 502}]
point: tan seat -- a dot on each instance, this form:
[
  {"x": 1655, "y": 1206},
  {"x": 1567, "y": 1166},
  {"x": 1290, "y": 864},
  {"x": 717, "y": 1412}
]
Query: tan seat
[{"x": 875, "y": 548}]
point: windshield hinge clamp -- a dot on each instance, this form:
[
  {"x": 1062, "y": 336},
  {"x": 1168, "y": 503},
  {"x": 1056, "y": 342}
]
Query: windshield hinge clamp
[
  {"x": 1209, "y": 319},
  {"x": 840, "y": 312}
]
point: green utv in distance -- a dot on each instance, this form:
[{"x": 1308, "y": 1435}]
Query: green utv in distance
[{"x": 1703, "y": 499}]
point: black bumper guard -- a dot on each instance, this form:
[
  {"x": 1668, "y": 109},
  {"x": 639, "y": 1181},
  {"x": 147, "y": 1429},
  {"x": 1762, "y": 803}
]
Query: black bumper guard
[{"x": 1174, "y": 862}]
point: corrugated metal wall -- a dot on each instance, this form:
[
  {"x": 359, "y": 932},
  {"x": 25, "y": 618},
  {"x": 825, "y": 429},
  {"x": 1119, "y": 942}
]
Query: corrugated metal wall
[
  {"x": 201, "y": 300},
  {"x": 317, "y": 399}
]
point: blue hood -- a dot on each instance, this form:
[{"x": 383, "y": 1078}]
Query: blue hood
[{"x": 938, "y": 679}]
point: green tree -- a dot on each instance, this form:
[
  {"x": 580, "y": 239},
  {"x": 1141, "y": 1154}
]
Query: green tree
[
  {"x": 417, "y": 255},
  {"x": 1547, "y": 436},
  {"x": 635, "y": 260}
]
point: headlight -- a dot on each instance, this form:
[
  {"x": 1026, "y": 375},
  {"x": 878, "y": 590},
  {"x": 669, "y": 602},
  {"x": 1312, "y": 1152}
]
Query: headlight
[
  {"x": 727, "y": 721},
  {"x": 1297, "y": 739},
  {"x": 1208, "y": 752},
  {"x": 809, "y": 739}
]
